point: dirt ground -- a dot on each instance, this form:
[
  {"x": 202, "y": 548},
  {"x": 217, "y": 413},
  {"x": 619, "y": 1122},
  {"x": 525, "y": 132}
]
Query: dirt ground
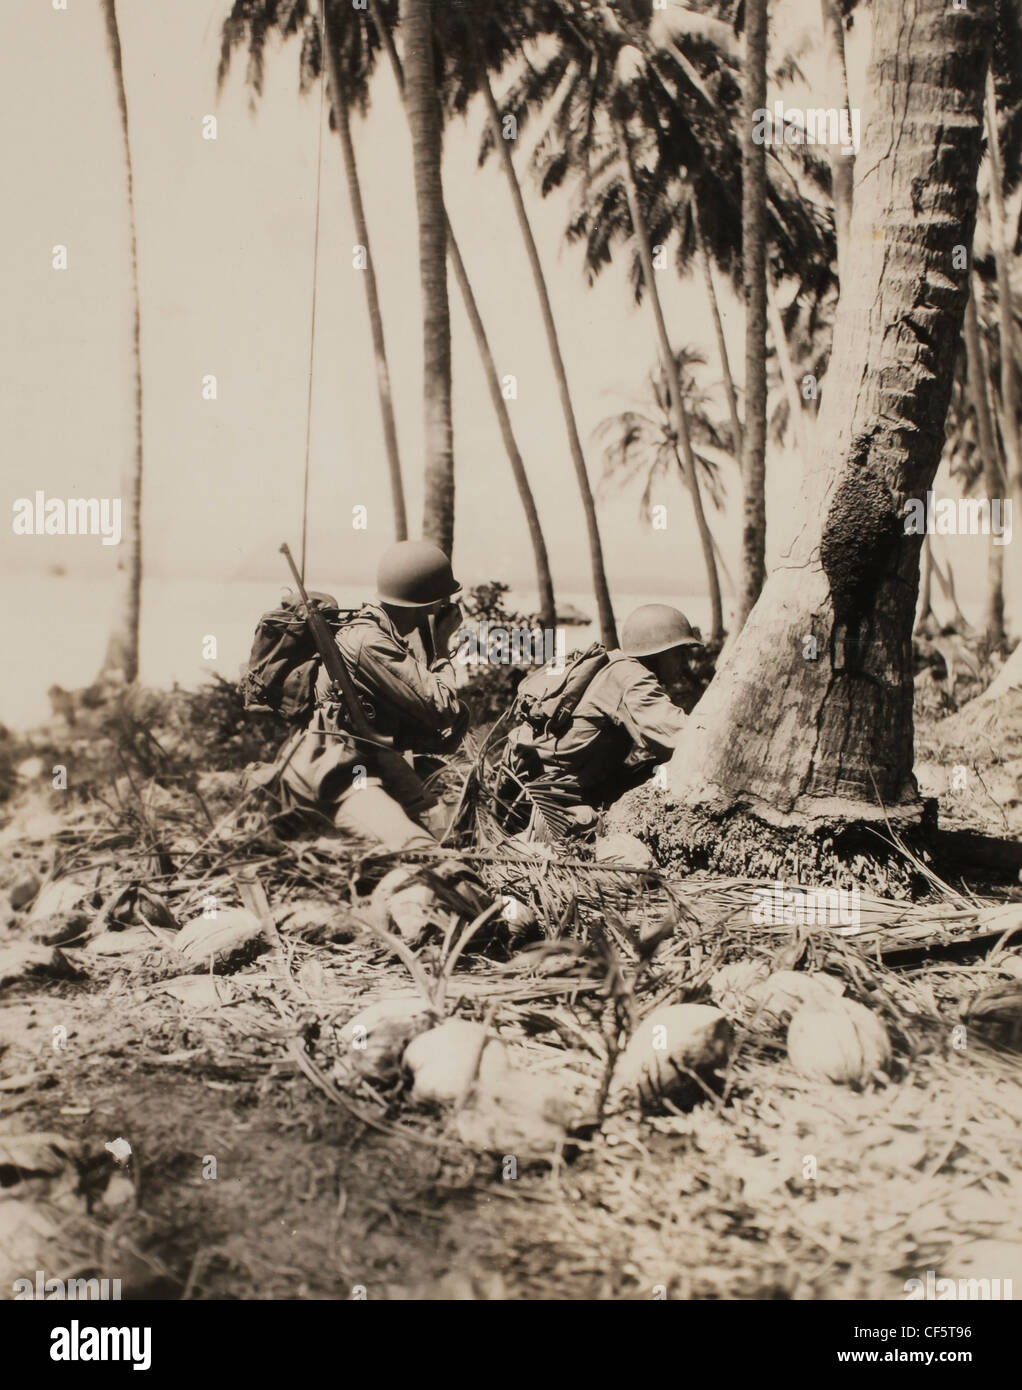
[{"x": 246, "y": 1180}]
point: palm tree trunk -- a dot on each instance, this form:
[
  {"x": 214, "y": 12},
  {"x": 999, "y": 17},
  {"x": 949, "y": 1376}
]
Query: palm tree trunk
[
  {"x": 608, "y": 630},
  {"x": 547, "y": 608},
  {"x": 1010, "y": 432},
  {"x": 924, "y": 607},
  {"x": 947, "y": 588},
  {"x": 718, "y": 328},
  {"x": 976, "y": 369},
  {"x": 754, "y": 284},
  {"x": 670, "y": 367},
  {"x": 828, "y": 741},
  {"x": 795, "y": 410},
  {"x": 424, "y": 118},
  {"x": 842, "y": 164},
  {"x": 122, "y": 647},
  {"x": 544, "y": 579},
  {"x": 339, "y": 101}
]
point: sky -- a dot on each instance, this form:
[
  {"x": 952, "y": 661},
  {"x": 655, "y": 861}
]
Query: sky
[{"x": 225, "y": 243}]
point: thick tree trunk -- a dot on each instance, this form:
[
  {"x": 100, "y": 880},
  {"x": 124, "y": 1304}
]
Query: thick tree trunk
[
  {"x": 122, "y": 647},
  {"x": 608, "y": 630},
  {"x": 718, "y": 329},
  {"x": 669, "y": 363},
  {"x": 842, "y": 163},
  {"x": 976, "y": 368},
  {"x": 754, "y": 284},
  {"x": 424, "y": 118},
  {"x": 339, "y": 101},
  {"x": 808, "y": 720},
  {"x": 1010, "y": 431}
]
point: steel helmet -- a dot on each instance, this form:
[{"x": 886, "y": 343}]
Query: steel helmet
[
  {"x": 654, "y": 628},
  {"x": 415, "y": 574}
]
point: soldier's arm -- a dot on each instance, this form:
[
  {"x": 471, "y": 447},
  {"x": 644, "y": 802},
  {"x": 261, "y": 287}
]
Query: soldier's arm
[
  {"x": 646, "y": 711},
  {"x": 425, "y": 697}
]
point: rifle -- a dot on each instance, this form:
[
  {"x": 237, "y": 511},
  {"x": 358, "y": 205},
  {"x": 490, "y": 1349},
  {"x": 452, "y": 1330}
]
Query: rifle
[{"x": 334, "y": 663}]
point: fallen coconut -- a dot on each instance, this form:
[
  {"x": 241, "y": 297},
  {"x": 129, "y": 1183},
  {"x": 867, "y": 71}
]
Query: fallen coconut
[
  {"x": 375, "y": 1040},
  {"x": 838, "y": 1040},
  {"x": 233, "y": 937},
  {"x": 623, "y": 849},
  {"x": 518, "y": 1114},
  {"x": 445, "y": 1061},
  {"x": 675, "y": 1054},
  {"x": 61, "y": 928},
  {"x": 995, "y": 1015},
  {"x": 60, "y": 897},
  {"x": 24, "y": 888},
  {"x": 122, "y": 943},
  {"x": 730, "y": 985},
  {"x": 404, "y": 906},
  {"x": 29, "y": 959},
  {"x": 785, "y": 991}
]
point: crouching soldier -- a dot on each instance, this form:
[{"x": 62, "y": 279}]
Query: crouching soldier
[
  {"x": 408, "y": 698},
  {"x": 583, "y": 736}
]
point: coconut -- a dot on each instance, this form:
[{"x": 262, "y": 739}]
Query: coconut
[
  {"x": 405, "y": 907},
  {"x": 521, "y": 1114},
  {"x": 786, "y": 991},
  {"x": 446, "y": 1061},
  {"x": 673, "y": 1050},
  {"x": 377, "y": 1037},
  {"x": 730, "y": 985},
  {"x": 232, "y": 937},
  {"x": 623, "y": 849},
  {"x": 24, "y": 888},
  {"x": 838, "y": 1041}
]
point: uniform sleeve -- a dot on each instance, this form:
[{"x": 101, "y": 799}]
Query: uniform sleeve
[
  {"x": 646, "y": 711},
  {"x": 423, "y": 697}
]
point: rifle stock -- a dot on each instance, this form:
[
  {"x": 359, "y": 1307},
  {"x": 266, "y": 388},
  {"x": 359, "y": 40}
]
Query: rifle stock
[{"x": 334, "y": 663}]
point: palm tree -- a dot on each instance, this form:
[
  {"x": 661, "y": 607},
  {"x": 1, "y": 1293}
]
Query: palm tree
[
  {"x": 1011, "y": 433},
  {"x": 347, "y": 44},
  {"x": 422, "y": 106},
  {"x": 984, "y": 470},
  {"x": 122, "y": 647},
  {"x": 842, "y": 163},
  {"x": 544, "y": 579},
  {"x": 754, "y": 279},
  {"x": 645, "y": 443},
  {"x": 608, "y": 630},
  {"x": 669, "y": 366},
  {"x": 852, "y": 567}
]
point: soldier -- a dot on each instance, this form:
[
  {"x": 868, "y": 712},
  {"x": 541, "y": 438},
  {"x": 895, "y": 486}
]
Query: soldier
[
  {"x": 410, "y": 701},
  {"x": 586, "y": 735}
]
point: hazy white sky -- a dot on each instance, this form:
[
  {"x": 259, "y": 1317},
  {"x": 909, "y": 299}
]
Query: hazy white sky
[{"x": 225, "y": 233}]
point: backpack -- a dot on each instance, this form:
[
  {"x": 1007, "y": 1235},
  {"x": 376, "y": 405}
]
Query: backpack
[
  {"x": 547, "y": 699},
  {"x": 282, "y": 667}
]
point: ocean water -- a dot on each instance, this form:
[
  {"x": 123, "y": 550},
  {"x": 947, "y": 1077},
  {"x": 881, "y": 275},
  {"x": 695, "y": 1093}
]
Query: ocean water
[{"x": 54, "y": 631}]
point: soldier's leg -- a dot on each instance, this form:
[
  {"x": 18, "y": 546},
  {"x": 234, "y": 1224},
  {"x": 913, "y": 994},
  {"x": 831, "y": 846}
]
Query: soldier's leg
[{"x": 372, "y": 813}]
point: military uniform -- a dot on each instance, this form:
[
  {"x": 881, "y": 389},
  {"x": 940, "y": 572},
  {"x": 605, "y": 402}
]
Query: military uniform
[
  {"x": 367, "y": 790},
  {"x": 622, "y": 725}
]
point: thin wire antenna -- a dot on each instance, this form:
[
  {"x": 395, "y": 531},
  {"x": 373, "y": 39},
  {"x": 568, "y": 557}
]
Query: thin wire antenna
[{"x": 315, "y": 281}]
